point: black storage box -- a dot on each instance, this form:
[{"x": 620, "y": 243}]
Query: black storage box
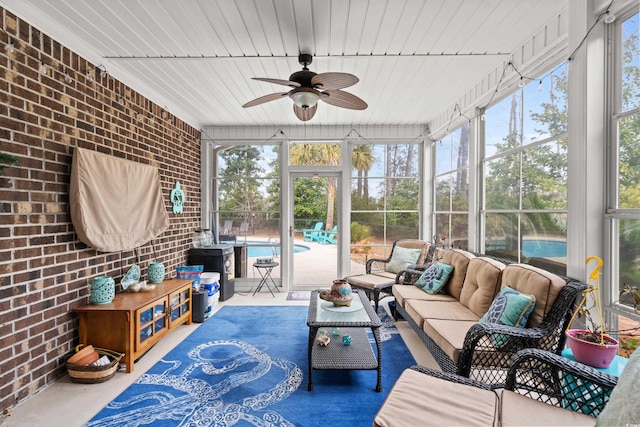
[{"x": 219, "y": 259}]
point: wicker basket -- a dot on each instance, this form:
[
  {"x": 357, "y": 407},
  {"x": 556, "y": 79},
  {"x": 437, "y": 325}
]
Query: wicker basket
[{"x": 95, "y": 374}]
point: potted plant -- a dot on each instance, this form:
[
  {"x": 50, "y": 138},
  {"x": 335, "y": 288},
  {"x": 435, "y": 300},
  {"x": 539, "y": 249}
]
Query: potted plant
[{"x": 592, "y": 346}]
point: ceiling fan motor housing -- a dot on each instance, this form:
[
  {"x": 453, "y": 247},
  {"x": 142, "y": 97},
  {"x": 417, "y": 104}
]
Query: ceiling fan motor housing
[{"x": 303, "y": 77}]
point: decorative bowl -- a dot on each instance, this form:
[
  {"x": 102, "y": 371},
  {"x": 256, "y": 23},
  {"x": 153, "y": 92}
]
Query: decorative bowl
[
  {"x": 147, "y": 287},
  {"x": 135, "y": 287}
]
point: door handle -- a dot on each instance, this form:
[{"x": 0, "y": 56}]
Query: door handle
[{"x": 291, "y": 231}]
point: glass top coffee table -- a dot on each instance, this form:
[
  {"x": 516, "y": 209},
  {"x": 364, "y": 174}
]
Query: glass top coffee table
[{"x": 351, "y": 321}]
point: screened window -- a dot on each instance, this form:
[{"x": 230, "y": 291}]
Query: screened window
[
  {"x": 385, "y": 199},
  {"x": 525, "y": 172},
  {"x": 247, "y": 191},
  {"x": 623, "y": 213},
  {"x": 451, "y": 188}
]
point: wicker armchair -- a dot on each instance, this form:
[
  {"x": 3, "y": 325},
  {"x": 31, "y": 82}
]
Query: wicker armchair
[
  {"x": 541, "y": 388},
  {"x": 377, "y": 280},
  {"x": 555, "y": 380}
]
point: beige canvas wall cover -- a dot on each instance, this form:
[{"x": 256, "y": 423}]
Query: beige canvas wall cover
[{"x": 116, "y": 204}]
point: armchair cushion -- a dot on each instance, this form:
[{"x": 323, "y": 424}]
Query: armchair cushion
[
  {"x": 401, "y": 258},
  {"x": 434, "y": 277}
]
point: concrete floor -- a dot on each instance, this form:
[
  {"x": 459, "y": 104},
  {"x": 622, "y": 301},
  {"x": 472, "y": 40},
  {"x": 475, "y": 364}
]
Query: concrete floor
[
  {"x": 312, "y": 269},
  {"x": 67, "y": 404}
]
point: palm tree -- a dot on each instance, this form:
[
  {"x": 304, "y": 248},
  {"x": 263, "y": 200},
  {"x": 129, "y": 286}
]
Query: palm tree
[
  {"x": 362, "y": 160},
  {"x": 330, "y": 154},
  {"x": 320, "y": 155}
]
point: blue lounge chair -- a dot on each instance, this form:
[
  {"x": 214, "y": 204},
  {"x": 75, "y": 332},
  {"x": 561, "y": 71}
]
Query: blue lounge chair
[
  {"x": 312, "y": 234},
  {"x": 329, "y": 236}
]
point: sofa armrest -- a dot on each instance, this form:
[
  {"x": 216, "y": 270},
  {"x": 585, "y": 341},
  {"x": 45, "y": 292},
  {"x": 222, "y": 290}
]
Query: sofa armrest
[
  {"x": 555, "y": 380},
  {"x": 451, "y": 377},
  {"x": 412, "y": 273},
  {"x": 489, "y": 347}
]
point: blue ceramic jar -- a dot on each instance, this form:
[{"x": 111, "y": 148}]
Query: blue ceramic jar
[
  {"x": 103, "y": 290},
  {"x": 155, "y": 272}
]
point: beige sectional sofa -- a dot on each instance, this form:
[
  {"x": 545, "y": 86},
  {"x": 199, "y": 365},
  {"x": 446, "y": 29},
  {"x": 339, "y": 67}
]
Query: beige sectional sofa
[{"x": 448, "y": 321}]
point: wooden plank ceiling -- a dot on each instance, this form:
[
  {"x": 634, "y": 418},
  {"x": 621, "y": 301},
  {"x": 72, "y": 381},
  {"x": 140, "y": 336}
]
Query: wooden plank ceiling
[{"x": 414, "y": 58}]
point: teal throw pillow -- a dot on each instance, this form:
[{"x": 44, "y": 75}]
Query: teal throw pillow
[
  {"x": 434, "y": 278},
  {"x": 401, "y": 258},
  {"x": 510, "y": 308}
]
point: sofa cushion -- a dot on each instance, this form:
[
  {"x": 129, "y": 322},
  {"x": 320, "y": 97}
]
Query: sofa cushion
[
  {"x": 518, "y": 410},
  {"x": 407, "y": 292},
  {"x": 459, "y": 259},
  {"x": 417, "y": 399},
  {"x": 434, "y": 277},
  {"x": 401, "y": 258},
  {"x": 534, "y": 281},
  {"x": 448, "y": 335},
  {"x": 481, "y": 284},
  {"x": 441, "y": 310}
]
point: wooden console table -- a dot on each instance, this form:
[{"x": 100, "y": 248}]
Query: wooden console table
[{"x": 133, "y": 322}]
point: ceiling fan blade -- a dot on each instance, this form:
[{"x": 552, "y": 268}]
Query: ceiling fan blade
[
  {"x": 277, "y": 81},
  {"x": 303, "y": 114},
  {"x": 343, "y": 99},
  {"x": 331, "y": 81},
  {"x": 266, "y": 98}
]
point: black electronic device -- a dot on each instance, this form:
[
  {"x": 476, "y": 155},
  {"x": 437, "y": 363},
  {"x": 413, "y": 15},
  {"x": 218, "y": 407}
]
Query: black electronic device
[{"x": 220, "y": 259}]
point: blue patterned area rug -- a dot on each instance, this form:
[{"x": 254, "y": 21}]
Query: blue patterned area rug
[{"x": 247, "y": 366}]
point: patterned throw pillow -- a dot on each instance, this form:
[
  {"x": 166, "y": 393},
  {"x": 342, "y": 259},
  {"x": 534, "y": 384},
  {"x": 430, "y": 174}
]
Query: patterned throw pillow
[
  {"x": 401, "y": 258},
  {"x": 434, "y": 278},
  {"x": 510, "y": 308}
]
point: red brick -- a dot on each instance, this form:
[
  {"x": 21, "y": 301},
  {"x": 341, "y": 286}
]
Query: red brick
[{"x": 45, "y": 270}]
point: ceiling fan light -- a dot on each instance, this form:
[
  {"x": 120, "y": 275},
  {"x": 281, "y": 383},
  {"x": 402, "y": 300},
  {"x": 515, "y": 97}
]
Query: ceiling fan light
[{"x": 305, "y": 98}]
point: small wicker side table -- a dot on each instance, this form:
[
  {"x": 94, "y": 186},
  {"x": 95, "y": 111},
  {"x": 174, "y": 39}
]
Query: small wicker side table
[{"x": 359, "y": 355}]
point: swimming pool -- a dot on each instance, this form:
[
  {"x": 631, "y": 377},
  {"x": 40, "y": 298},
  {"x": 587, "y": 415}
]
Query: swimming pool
[
  {"x": 544, "y": 248},
  {"x": 262, "y": 249}
]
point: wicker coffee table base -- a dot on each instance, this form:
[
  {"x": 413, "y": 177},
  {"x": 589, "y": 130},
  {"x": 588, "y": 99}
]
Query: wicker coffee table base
[{"x": 359, "y": 355}]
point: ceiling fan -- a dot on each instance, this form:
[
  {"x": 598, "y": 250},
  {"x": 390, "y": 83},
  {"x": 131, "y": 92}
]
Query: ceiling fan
[{"x": 309, "y": 87}]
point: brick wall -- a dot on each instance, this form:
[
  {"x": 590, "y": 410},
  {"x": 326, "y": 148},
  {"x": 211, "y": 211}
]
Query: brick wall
[{"x": 44, "y": 269}]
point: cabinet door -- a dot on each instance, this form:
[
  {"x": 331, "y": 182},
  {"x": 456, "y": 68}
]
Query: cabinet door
[
  {"x": 151, "y": 324},
  {"x": 180, "y": 306}
]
